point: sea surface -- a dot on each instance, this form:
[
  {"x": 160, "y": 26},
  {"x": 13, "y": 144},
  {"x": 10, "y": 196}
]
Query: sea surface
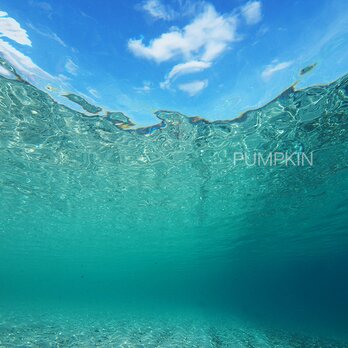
[{"x": 118, "y": 236}]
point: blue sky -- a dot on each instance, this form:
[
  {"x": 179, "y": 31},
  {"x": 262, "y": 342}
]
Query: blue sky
[{"x": 213, "y": 59}]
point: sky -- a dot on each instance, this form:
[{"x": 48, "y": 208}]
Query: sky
[{"x": 213, "y": 59}]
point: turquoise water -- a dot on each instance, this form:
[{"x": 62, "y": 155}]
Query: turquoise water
[{"x": 154, "y": 237}]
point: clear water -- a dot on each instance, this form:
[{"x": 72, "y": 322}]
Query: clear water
[{"x": 114, "y": 236}]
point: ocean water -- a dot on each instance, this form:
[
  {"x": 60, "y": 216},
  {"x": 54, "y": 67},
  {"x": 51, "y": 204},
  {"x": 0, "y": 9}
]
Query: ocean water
[{"x": 117, "y": 236}]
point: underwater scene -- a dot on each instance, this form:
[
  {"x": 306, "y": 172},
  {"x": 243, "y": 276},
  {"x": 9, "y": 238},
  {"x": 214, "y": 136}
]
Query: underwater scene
[{"x": 188, "y": 231}]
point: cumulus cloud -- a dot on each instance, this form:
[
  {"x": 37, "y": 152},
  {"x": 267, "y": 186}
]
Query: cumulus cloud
[
  {"x": 71, "y": 67},
  {"x": 23, "y": 64},
  {"x": 205, "y": 38},
  {"x": 188, "y": 68},
  {"x": 191, "y": 67},
  {"x": 194, "y": 87},
  {"x": 11, "y": 29},
  {"x": 251, "y": 12},
  {"x": 157, "y": 10},
  {"x": 195, "y": 46},
  {"x": 273, "y": 68}
]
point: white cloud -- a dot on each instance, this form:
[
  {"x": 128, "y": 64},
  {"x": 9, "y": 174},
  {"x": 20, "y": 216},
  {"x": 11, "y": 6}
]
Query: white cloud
[
  {"x": 188, "y": 68},
  {"x": 194, "y": 87},
  {"x": 46, "y": 33},
  {"x": 251, "y": 12},
  {"x": 196, "y": 45},
  {"x": 71, "y": 67},
  {"x": 41, "y": 5},
  {"x": 11, "y": 29},
  {"x": 190, "y": 8},
  {"x": 22, "y": 63},
  {"x": 93, "y": 92},
  {"x": 55, "y": 37},
  {"x": 191, "y": 67},
  {"x": 63, "y": 78},
  {"x": 271, "y": 69},
  {"x": 205, "y": 38},
  {"x": 162, "y": 10},
  {"x": 146, "y": 87},
  {"x": 157, "y": 10}
]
